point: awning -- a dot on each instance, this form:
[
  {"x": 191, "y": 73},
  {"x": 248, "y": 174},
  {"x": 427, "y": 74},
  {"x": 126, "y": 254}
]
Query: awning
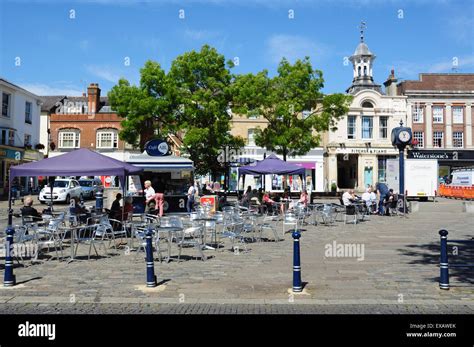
[
  {"x": 161, "y": 164},
  {"x": 307, "y": 165}
]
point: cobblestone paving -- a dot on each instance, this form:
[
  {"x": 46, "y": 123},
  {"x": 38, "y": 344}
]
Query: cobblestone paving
[{"x": 398, "y": 274}]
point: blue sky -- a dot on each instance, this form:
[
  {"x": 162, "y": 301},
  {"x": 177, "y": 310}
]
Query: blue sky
[{"x": 60, "y": 55}]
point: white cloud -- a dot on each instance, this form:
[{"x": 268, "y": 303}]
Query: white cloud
[
  {"x": 42, "y": 89},
  {"x": 293, "y": 47},
  {"x": 104, "y": 72}
]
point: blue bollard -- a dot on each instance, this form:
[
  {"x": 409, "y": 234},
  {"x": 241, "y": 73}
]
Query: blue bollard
[
  {"x": 9, "y": 279},
  {"x": 99, "y": 201},
  {"x": 150, "y": 265},
  {"x": 297, "y": 285},
  {"x": 443, "y": 261}
]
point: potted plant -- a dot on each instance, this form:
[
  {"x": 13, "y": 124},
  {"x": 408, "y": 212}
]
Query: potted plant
[
  {"x": 333, "y": 188},
  {"x": 39, "y": 146}
]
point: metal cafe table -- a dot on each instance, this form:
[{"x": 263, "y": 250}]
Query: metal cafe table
[
  {"x": 206, "y": 219},
  {"x": 169, "y": 229}
]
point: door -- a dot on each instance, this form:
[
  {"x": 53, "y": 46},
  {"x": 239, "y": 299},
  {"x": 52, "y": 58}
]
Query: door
[{"x": 368, "y": 180}]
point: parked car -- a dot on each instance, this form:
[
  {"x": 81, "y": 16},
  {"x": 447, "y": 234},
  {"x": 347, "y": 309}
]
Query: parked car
[
  {"x": 90, "y": 186},
  {"x": 63, "y": 191}
]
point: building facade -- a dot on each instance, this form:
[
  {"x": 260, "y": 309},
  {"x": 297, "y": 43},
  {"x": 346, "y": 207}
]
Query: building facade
[
  {"x": 83, "y": 122},
  {"x": 19, "y": 132},
  {"x": 357, "y": 152},
  {"x": 441, "y": 117},
  {"x": 312, "y": 161}
]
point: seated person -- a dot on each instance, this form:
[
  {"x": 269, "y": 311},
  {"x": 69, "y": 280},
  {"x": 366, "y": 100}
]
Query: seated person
[
  {"x": 348, "y": 198},
  {"x": 29, "y": 211},
  {"x": 116, "y": 209},
  {"x": 78, "y": 209},
  {"x": 267, "y": 201},
  {"x": 127, "y": 208},
  {"x": 303, "y": 198}
]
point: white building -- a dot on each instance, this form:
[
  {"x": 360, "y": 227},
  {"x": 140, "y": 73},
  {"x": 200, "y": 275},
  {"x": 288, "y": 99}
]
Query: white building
[
  {"x": 19, "y": 130},
  {"x": 358, "y": 150}
]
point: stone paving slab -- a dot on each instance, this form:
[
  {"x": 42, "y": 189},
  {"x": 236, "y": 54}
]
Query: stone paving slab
[{"x": 400, "y": 262}]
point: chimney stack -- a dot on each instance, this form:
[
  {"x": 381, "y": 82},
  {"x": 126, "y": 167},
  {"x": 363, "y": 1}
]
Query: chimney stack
[
  {"x": 391, "y": 84},
  {"x": 93, "y": 97}
]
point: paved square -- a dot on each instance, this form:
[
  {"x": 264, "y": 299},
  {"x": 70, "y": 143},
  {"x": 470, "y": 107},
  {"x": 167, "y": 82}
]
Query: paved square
[{"x": 398, "y": 273}]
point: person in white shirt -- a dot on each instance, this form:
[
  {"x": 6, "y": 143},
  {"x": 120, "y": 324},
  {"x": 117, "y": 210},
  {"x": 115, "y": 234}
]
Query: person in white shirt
[
  {"x": 191, "y": 192},
  {"x": 149, "y": 193},
  {"x": 348, "y": 197}
]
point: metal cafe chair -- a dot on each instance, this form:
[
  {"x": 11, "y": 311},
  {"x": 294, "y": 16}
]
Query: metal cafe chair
[
  {"x": 189, "y": 234},
  {"x": 234, "y": 230},
  {"x": 268, "y": 222},
  {"x": 50, "y": 236},
  {"x": 92, "y": 235}
]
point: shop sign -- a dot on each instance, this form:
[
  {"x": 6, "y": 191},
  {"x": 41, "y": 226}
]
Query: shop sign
[
  {"x": 11, "y": 154},
  {"x": 157, "y": 148},
  {"x": 442, "y": 155},
  {"x": 364, "y": 151}
]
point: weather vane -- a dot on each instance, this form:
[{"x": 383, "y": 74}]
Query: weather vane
[{"x": 362, "y": 27}]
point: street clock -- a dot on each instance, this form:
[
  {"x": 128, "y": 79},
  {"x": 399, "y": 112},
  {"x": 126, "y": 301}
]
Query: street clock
[{"x": 401, "y": 136}]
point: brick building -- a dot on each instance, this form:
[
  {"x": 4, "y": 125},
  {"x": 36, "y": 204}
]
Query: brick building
[
  {"x": 85, "y": 122},
  {"x": 441, "y": 116}
]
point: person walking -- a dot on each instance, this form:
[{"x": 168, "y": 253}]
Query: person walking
[{"x": 191, "y": 193}]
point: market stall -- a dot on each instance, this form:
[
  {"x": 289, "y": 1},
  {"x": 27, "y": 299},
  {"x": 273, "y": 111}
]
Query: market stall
[{"x": 168, "y": 174}]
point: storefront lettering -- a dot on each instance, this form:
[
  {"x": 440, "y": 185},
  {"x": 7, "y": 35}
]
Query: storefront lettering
[
  {"x": 361, "y": 151},
  {"x": 418, "y": 155}
]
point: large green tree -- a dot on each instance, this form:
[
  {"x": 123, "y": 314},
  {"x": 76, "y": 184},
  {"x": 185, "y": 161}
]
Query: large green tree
[
  {"x": 203, "y": 84},
  {"x": 293, "y": 104},
  {"x": 147, "y": 109}
]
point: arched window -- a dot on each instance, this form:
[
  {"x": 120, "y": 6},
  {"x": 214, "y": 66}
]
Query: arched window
[
  {"x": 367, "y": 104},
  {"x": 365, "y": 70},
  {"x": 69, "y": 138},
  {"x": 358, "y": 71},
  {"x": 107, "y": 138}
]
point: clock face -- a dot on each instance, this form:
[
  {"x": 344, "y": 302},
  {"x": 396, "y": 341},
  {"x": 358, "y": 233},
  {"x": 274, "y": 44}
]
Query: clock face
[
  {"x": 393, "y": 136},
  {"x": 404, "y": 136}
]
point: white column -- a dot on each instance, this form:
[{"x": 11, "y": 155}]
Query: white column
[
  {"x": 409, "y": 115},
  {"x": 428, "y": 127},
  {"x": 375, "y": 130},
  {"x": 358, "y": 134},
  {"x": 449, "y": 127},
  {"x": 468, "y": 132},
  {"x": 332, "y": 170}
]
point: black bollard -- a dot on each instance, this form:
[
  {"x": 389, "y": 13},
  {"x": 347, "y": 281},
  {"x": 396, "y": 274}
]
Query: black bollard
[
  {"x": 150, "y": 265},
  {"x": 443, "y": 261},
  {"x": 99, "y": 201},
  {"x": 9, "y": 279},
  {"x": 297, "y": 285}
]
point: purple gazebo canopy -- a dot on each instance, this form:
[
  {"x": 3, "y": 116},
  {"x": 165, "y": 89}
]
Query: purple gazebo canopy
[
  {"x": 81, "y": 162},
  {"x": 272, "y": 165}
]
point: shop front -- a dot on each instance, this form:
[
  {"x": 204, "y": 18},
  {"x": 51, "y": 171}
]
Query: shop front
[
  {"x": 168, "y": 174},
  {"x": 357, "y": 167},
  {"x": 313, "y": 162},
  {"x": 448, "y": 160},
  {"x": 9, "y": 156}
]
